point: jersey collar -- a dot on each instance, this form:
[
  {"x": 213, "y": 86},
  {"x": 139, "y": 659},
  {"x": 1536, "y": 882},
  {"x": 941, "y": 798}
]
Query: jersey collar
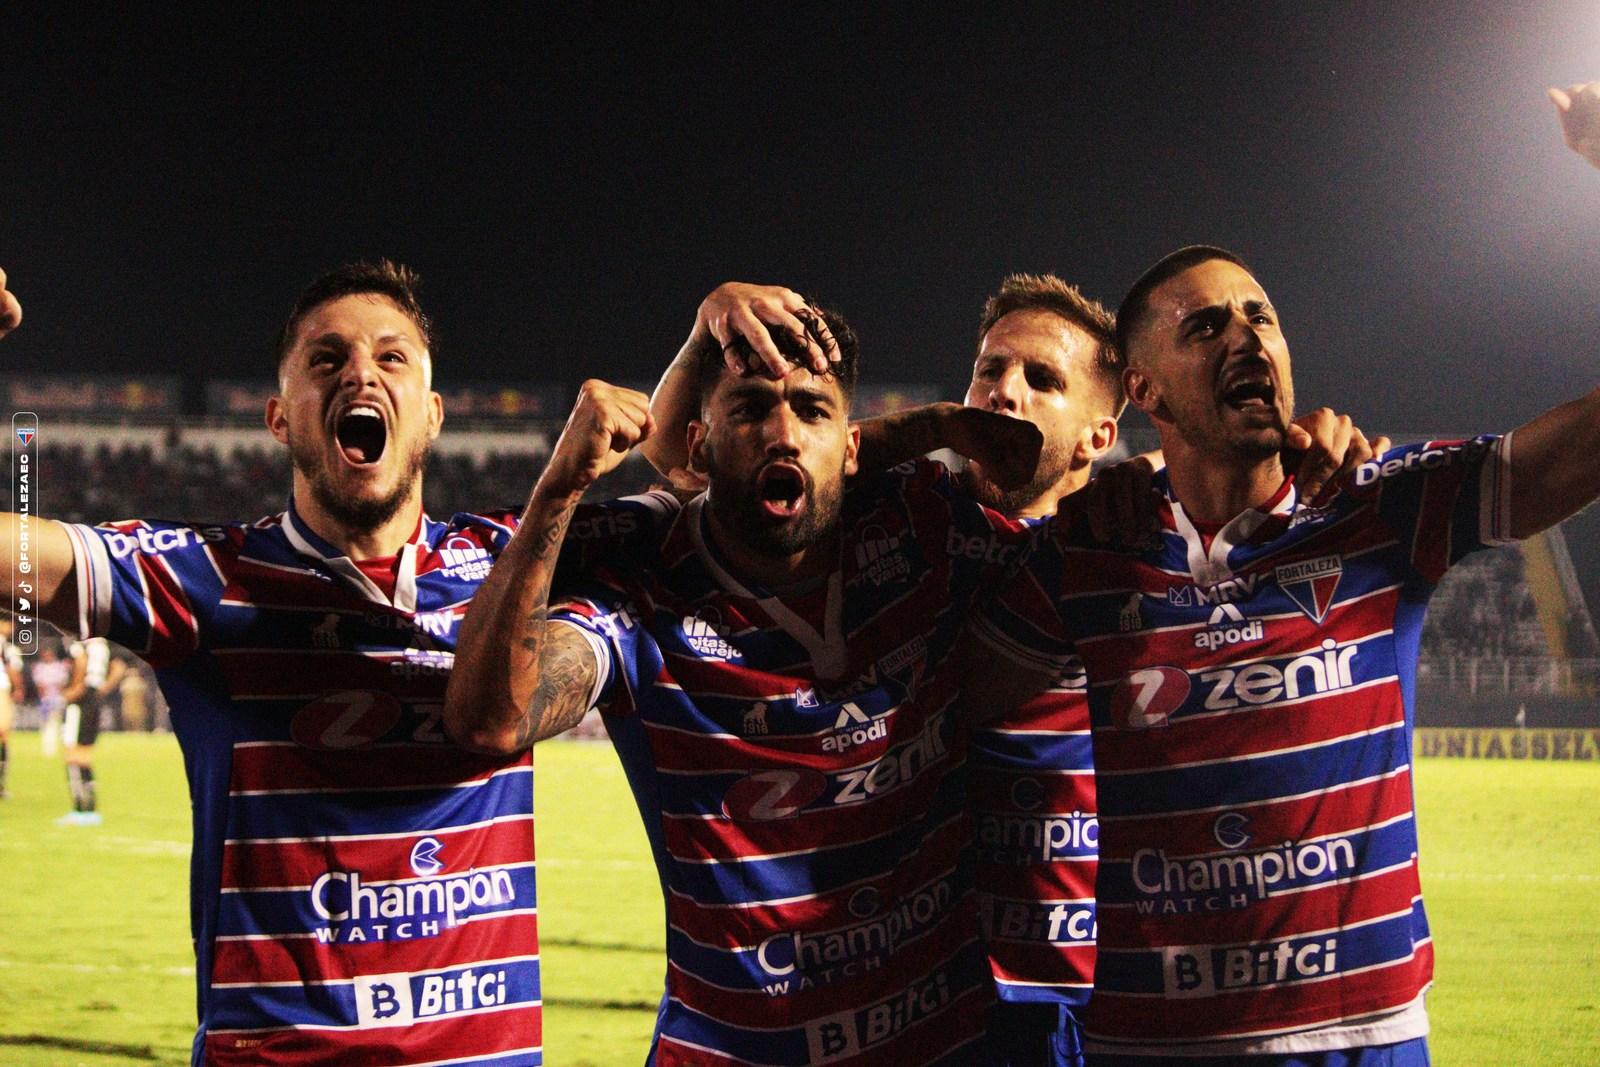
[
  {"x": 1209, "y": 565},
  {"x": 309, "y": 545}
]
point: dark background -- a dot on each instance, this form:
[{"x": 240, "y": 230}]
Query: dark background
[{"x": 570, "y": 185}]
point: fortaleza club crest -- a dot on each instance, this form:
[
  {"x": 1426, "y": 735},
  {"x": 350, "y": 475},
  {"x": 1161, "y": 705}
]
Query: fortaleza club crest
[
  {"x": 25, "y": 435},
  {"x": 1311, "y": 583}
]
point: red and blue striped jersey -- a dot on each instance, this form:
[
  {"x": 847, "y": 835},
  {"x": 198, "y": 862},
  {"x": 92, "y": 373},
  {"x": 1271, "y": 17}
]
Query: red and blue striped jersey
[
  {"x": 362, "y": 889},
  {"x": 800, "y": 767},
  {"x": 1033, "y": 801},
  {"x": 1251, "y": 698}
]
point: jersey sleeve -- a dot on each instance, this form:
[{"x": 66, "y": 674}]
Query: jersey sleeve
[
  {"x": 1442, "y": 499},
  {"x": 150, "y": 586}
]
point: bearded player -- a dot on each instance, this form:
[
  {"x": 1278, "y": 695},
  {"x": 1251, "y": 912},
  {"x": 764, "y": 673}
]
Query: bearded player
[
  {"x": 1251, "y": 697},
  {"x": 362, "y": 887}
]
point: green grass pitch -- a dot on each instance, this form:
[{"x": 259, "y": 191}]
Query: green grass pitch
[{"x": 96, "y": 967}]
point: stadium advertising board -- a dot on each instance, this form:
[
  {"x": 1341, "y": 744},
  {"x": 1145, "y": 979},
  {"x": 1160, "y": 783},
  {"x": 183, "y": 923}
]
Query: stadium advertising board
[
  {"x": 1508, "y": 744},
  {"x": 248, "y": 398},
  {"x": 100, "y": 394}
]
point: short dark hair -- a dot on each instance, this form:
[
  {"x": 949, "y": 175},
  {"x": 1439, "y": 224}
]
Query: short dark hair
[
  {"x": 1134, "y": 306},
  {"x": 1046, "y": 292},
  {"x": 386, "y": 278},
  {"x": 709, "y": 360}
]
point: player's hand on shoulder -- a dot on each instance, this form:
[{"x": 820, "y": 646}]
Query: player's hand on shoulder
[
  {"x": 607, "y": 421},
  {"x": 1325, "y": 447},
  {"x": 1578, "y": 108},
  {"x": 1121, "y": 502},
  {"x": 10, "y": 308},
  {"x": 742, "y": 316},
  {"x": 1007, "y": 448}
]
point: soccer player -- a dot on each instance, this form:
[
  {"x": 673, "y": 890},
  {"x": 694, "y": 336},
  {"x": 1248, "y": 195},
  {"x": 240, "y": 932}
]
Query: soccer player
[
  {"x": 362, "y": 887},
  {"x": 10, "y": 690},
  {"x": 96, "y": 673},
  {"x": 772, "y": 659},
  {"x": 1251, "y": 683},
  {"x": 1046, "y": 354}
]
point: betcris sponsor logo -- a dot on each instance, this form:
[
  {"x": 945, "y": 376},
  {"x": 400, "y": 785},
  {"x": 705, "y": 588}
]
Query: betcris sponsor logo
[
  {"x": 1422, "y": 459},
  {"x": 155, "y": 542},
  {"x": 605, "y": 523},
  {"x": 1174, "y": 885},
  {"x": 1197, "y": 971},
  {"x": 1028, "y": 839},
  {"x": 783, "y": 793},
  {"x": 406, "y": 998},
  {"x": 1063, "y": 923},
  {"x": 986, "y": 548},
  {"x": 798, "y": 960},
  {"x": 850, "y": 1033},
  {"x": 354, "y": 910}
]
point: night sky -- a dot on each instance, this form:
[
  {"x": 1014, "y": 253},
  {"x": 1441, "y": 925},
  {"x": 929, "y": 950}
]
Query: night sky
[{"x": 571, "y": 186}]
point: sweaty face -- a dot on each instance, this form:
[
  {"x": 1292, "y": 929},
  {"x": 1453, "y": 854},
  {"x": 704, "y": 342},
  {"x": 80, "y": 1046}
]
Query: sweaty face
[
  {"x": 1035, "y": 365},
  {"x": 1212, "y": 348},
  {"x": 776, "y": 455},
  {"x": 355, "y": 408}
]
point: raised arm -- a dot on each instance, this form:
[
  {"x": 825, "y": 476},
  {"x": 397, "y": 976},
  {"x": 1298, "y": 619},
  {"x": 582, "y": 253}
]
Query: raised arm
[
  {"x": 520, "y": 677},
  {"x": 1555, "y": 459},
  {"x": 47, "y": 589}
]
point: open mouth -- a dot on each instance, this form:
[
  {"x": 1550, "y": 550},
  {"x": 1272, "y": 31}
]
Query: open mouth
[
  {"x": 1255, "y": 394},
  {"x": 781, "y": 489},
  {"x": 361, "y": 435}
]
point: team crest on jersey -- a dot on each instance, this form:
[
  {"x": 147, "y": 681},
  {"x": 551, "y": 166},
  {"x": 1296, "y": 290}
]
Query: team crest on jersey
[
  {"x": 879, "y": 558},
  {"x": 25, "y": 435},
  {"x": 464, "y": 559},
  {"x": 1311, "y": 583},
  {"x": 707, "y": 636}
]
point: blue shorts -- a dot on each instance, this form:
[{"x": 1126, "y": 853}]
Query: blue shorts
[
  {"x": 1413, "y": 1053},
  {"x": 1027, "y": 1034}
]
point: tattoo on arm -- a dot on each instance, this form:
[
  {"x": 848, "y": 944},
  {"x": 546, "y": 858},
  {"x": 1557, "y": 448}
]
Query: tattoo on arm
[{"x": 567, "y": 673}]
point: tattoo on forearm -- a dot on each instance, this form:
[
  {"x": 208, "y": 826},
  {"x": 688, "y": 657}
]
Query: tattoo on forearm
[{"x": 567, "y": 672}]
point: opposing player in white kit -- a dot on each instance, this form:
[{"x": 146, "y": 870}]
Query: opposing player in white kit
[{"x": 96, "y": 674}]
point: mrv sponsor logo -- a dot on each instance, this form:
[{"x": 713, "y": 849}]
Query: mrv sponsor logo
[
  {"x": 1026, "y": 839},
  {"x": 850, "y": 1033},
  {"x": 803, "y": 960},
  {"x": 1224, "y": 592},
  {"x": 1228, "y": 626},
  {"x": 406, "y": 998},
  {"x": 1205, "y": 972},
  {"x": 1171, "y": 886},
  {"x": 355, "y": 910}
]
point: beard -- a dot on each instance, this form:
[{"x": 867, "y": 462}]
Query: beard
[
  {"x": 1055, "y": 459},
  {"x": 357, "y": 514},
  {"x": 737, "y": 506}
]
